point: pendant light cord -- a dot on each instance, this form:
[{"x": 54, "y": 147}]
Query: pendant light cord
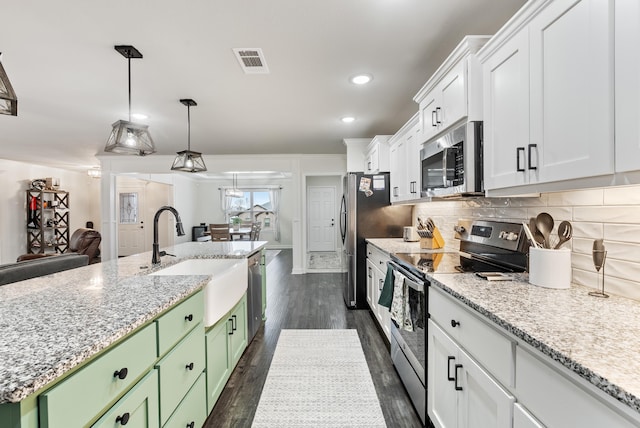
[
  {"x": 189, "y": 128},
  {"x": 129, "y": 61}
]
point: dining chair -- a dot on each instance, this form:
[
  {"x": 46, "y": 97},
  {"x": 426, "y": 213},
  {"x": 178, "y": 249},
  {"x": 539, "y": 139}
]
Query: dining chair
[
  {"x": 219, "y": 232},
  {"x": 255, "y": 231}
]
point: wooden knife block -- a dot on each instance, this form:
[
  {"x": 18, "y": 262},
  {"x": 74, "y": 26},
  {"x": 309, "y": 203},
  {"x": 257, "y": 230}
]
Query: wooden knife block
[{"x": 433, "y": 243}]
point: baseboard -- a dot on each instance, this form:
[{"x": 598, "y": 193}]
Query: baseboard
[{"x": 297, "y": 271}]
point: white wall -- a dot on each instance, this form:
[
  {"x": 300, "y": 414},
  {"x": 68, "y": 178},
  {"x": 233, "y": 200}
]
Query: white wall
[
  {"x": 84, "y": 202},
  {"x": 611, "y": 213}
]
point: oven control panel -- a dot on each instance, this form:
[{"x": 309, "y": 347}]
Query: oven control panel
[{"x": 509, "y": 236}]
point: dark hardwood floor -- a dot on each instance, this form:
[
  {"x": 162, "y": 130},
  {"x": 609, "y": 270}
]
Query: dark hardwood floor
[{"x": 308, "y": 301}]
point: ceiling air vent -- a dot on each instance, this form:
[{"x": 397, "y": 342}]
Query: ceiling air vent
[{"x": 251, "y": 60}]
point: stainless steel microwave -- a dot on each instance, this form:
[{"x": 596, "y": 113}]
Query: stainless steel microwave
[{"x": 452, "y": 163}]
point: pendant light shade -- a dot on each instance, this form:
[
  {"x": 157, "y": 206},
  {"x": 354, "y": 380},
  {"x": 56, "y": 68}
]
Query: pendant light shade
[
  {"x": 188, "y": 160},
  {"x": 128, "y": 137},
  {"x": 8, "y": 99}
]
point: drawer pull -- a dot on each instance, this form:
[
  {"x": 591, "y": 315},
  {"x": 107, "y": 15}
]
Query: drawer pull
[
  {"x": 234, "y": 323},
  {"x": 123, "y": 420},
  {"x": 231, "y": 331},
  {"x": 449, "y": 377},
  {"x": 121, "y": 374},
  {"x": 455, "y": 382},
  {"x": 189, "y": 366},
  {"x": 455, "y": 323},
  {"x": 189, "y": 317},
  {"x": 191, "y": 424}
]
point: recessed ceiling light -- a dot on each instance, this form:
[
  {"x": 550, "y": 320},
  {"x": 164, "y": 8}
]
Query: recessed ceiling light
[
  {"x": 361, "y": 79},
  {"x": 348, "y": 119},
  {"x": 139, "y": 116}
]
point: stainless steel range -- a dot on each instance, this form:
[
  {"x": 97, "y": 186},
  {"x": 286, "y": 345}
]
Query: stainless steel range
[{"x": 486, "y": 248}]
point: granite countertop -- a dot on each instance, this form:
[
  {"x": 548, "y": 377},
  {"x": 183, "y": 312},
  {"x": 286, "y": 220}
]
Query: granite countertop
[
  {"x": 598, "y": 339},
  {"x": 49, "y": 325}
]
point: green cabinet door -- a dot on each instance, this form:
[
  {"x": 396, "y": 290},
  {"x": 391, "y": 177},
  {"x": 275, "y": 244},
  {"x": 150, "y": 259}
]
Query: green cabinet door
[
  {"x": 218, "y": 360},
  {"x": 238, "y": 333},
  {"x": 138, "y": 408}
]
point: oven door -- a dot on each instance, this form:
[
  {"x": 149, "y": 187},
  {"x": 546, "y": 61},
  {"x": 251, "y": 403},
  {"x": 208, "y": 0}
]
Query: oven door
[{"x": 408, "y": 339}]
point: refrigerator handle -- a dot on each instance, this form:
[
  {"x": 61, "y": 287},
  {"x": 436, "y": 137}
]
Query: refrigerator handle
[{"x": 343, "y": 219}]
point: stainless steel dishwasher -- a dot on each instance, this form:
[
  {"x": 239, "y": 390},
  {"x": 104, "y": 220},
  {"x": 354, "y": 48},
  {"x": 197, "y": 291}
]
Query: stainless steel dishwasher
[{"x": 254, "y": 294}]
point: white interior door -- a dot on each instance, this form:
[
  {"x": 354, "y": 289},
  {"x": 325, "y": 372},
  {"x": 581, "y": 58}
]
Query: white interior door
[
  {"x": 131, "y": 222},
  {"x": 322, "y": 218}
]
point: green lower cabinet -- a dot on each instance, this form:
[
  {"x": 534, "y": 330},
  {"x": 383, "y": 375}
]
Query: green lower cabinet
[
  {"x": 192, "y": 411},
  {"x": 226, "y": 342},
  {"x": 218, "y": 361},
  {"x": 179, "y": 370},
  {"x": 238, "y": 334},
  {"x": 80, "y": 398},
  {"x": 138, "y": 408}
]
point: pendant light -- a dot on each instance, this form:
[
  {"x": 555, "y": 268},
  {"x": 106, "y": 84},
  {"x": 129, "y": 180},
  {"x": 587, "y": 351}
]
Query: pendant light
[
  {"x": 8, "y": 99},
  {"x": 234, "y": 192},
  {"x": 128, "y": 137},
  {"x": 187, "y": 160}
]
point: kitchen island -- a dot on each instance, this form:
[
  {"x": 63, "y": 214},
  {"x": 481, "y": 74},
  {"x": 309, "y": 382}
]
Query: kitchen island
[
  {"x": 593, "y": 344},
  {"x": 54, "y": 325}
]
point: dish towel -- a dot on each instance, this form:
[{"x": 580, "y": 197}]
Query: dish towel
[
  {"x": 386, "y": 295},
  {"x": 400, "y": 311}
]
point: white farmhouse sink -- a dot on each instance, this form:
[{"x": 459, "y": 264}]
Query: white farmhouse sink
[{"x": 227, "y": 285}]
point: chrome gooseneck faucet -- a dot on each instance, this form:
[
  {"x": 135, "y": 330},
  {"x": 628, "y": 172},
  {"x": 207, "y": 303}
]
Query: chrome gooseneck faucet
[{"x": 179, "y": 230}]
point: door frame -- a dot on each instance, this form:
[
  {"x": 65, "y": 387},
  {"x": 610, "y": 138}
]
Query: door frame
[
  {"x": 304, "y": 225},
  {"x": 334, "y": 215}
]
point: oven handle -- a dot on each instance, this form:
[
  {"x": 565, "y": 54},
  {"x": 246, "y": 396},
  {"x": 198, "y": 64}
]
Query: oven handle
[{"x": 410, "y": 275}]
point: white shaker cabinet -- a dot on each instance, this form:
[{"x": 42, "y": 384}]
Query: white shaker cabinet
[
  {"x": 376, "y": 274},
  {"x": 461, "y": 393},
  {"x": 627, "y": 92},
  {"x": 571, "y": 48},
  {"x": 506, "y": 114},
  {"x": 404, "y": 155},
  {"x": 377, "y": 155},
  {"x": 453, "y": 91},
  {"x": 548, "y": 95},
  {"x": 398, "y": 177}
]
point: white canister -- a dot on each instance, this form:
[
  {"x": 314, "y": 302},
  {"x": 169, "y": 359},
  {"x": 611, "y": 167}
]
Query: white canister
[{"x": 550, "y": 268}]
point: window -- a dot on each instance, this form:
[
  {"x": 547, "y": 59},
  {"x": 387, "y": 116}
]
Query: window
[{"x": 255, "y": 205}]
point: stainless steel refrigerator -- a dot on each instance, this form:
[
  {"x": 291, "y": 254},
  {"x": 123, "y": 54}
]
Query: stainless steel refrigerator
[{"x": 366, "y": 212}]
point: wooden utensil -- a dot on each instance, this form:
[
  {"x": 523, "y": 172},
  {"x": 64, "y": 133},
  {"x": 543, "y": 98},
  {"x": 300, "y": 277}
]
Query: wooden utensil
[{"x": 565, "y": 230}]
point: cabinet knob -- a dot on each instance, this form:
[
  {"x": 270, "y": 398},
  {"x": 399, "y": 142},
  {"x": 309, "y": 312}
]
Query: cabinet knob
[
  {"x": 189, "y": 317},
  {"x": 191, "y": 424},
  {"x": 189, "y": 366},
  {"x": 455, "y": 323},
  {"x": 124, "y": 419},
  {"x": 121, "y": 374}
]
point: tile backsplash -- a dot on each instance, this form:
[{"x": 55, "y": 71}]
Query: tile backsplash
[{"x": 610, "y": 213}]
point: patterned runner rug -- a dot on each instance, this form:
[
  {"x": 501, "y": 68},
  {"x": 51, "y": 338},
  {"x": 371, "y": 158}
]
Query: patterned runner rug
[{"x": 318, "y": 378}]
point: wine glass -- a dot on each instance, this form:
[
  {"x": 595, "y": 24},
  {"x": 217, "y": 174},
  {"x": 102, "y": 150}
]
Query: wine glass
[{"x": 599, "y": 255}]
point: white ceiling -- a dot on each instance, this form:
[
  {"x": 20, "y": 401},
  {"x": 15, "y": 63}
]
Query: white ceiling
[{"x": 72, "y": 85}]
